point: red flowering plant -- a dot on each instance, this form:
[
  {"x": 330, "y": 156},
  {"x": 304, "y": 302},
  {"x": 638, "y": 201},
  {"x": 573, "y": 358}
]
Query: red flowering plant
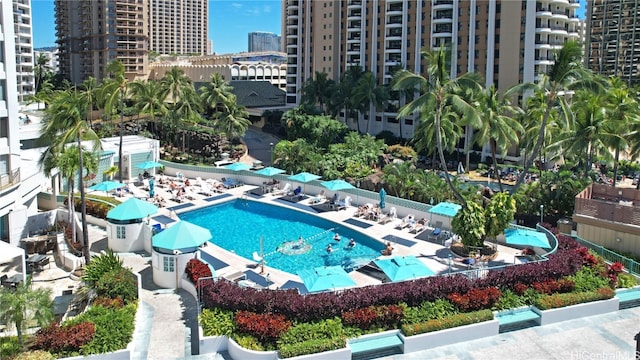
[
  {"x": 265, "y": 327},
  {"x": 196, "y": 269},
  {"x": 612, "y": 272}
]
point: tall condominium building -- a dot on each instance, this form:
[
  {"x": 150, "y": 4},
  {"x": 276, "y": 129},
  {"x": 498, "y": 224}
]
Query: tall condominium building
[
  {"x": 51, "y": 55},
  {"x": 264, "y": 41},
  {"x": 91, "y": 34},
  {"x": 179, "y": 27},
  {"x": 613, "y": 38},
  {"x": 24, "y": 48},
  {"x": 505, "y": 41}
]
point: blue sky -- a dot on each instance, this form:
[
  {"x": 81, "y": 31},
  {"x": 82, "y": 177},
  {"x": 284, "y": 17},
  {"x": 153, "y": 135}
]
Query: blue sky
[{"x": 229, "y": 22}]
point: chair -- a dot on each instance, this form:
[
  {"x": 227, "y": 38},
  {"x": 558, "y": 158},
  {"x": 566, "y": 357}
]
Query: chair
[
  {"x": 390, "y": 216},
  {"x": 318, "y": 198},
  {"x": 435, "y": 234},
  {"x": 285, "y": 190},
  {"x": 419, "y": 226},
  {"x": 406, "y": 221}
]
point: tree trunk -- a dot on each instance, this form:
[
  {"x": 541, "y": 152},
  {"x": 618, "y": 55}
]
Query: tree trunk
[
  {"x": 615, "y": 167},
  {"x": 72, "y": 211},
  {"x": 492, "y": 144},
  {"x": 83, "y": 206},
  {"x": 120, "y": 151},
  {"x": 467, "y": 148},
  {"x": 443, "y": 162}
]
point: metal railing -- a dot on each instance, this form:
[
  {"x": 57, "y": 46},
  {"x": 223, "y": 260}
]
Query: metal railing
[{"x": 632, "y": 266}]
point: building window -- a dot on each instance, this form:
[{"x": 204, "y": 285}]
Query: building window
[
  {"x": 168, "y": 263},
  {"x": 121, "y": 232}
]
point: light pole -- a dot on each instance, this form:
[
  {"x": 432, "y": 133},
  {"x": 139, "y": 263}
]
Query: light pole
[
  {"x": 541, "y": 213},
  {"x": 270, "y": 153},
  {"x": 357, "y": 192}
]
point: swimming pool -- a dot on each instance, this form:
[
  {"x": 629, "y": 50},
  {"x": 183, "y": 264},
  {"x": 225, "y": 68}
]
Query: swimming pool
[{"x": 238, "y": 225}]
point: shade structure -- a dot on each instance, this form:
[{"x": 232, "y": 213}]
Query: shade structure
[
  {"x": 303, "y": 177},
  {"x": 149, "y": 165},
  {"x": 107, "y": 186},
  {"x": 446, "y": 209},
  {"x": 335, "y": 185},
  {"x": 238, "y": 166},
  {"x": 526, "y": 238},
  {"x": 325, "y": 278},
  {"x": 131, "y": 209},
  {"x": 383, "y": 194},
  {"x": 401, "y": 268},
  {"x": 269, "y": 171},
  {"x": 182, "y": 235}
]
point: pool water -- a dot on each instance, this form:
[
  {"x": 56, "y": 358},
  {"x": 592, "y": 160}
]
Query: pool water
[{"x": 238, "y": 225}]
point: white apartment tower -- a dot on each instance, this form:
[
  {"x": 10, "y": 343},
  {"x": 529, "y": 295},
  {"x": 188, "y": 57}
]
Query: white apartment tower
[
  {"x": 179, "y": 27},
  {"x": 263, "y": 41},
  {"x": 24, "y": 48},
  {"x": 506, "y": 41}
]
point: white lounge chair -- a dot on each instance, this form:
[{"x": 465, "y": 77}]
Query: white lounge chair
[
  {"x": 319, "y": 198},
  {"x": 285, "y": 190},
  {"x": 390, "y": 216}
]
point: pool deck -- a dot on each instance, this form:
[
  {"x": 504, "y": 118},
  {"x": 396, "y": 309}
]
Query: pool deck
[{"x": 434, "y": 255}]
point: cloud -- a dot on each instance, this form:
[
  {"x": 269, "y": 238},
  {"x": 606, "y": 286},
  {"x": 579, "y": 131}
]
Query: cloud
[
  {"x": 236, "y": 5},
  {"x": 266, "y": 9}
]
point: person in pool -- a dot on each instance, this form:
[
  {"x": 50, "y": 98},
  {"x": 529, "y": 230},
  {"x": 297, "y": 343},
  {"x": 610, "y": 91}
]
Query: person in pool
[
  {"x": 329, "y": 249},
  {"x": 352, "y": 243},
  {"x": 336, "y": 237}
]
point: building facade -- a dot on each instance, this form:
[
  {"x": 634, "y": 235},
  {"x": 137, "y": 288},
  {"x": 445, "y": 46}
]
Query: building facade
[
  {"x": 91, "y": 34},
  {"x": 179, "y": 27},
  {"x": 613, "y": 38},
  {"x": 24, "y": 48},
  {"x": 264, "y": 41},
  {"x": 52, "y": 55},
  {"x": 507, "y": 42}
]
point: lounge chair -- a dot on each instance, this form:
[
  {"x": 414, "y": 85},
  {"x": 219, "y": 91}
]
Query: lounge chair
[
  {"x": 230, "y": 183},
  {"x": 437, "y": 230},
  {"x": 390, "y": 216},
  {"x": 405, "y": 222},
  {"x": 418, "y": 227},
  {"x": 204, "y": 189},
  {"x": 319, "y": 198},
  {"x": 285, "y": 190}
]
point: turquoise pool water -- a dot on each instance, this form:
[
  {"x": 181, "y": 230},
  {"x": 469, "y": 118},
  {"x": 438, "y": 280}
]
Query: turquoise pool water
[{"x": 238, "y": 225}]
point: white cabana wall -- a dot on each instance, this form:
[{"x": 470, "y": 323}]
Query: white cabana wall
[
  {"x": 161, "y": 264},
  {"x": 137, "y": 237}
]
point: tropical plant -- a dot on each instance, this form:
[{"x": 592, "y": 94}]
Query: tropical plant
[
  {"x": 343, "y": 96},
  {"x": 233, "y": 120},
  {"x": 113, "y": 92},
  {"x": 318, "y": 91},
  {"x": 438, "y": 96},
  {"x": 368, "y": 93},
  {"x": 148, "y": 97},
  {"x": 100, "y": 265},
  {"x": 22, "y": 305},
  {"x": 469, "y": 223},
  {"x": 498, "y": 214},
  {"x": 216, "y": 94},
  {"x": 41, "y": 68}
]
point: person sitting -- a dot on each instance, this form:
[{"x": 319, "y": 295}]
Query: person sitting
[
  {"x": 187, "y": 183},
  {"x": 352, "y": 243},
  {"x": 388, "y": 250},
  {"x": 145, "y": 174},
  {"x": 297, "y": 191},
  {"x": 329, "y": 249},
  {"x": 469, "y": 261},
  {"x": 140, "y": 178},
  {"x": 336, "y": 237},
  {"x": 335, "y": 198}
]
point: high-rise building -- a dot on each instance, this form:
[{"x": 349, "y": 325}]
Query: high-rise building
[
  {"x": 91, "y": 34},
  {"x": 51, "y": 55},
  {"x": 264, "y": 41},
  {"x": 179, "y": 27},
  {"x": 505, "y": 41},
  {"x": 24, "y": 48},
  {"x": 613, "y": 38}
]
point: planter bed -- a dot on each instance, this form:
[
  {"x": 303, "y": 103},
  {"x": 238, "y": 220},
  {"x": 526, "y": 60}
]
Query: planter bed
[
  {"x": 552, "y": 316},
  {"x": 628, "y": 297},
  {"x": 449, "y": 336}
]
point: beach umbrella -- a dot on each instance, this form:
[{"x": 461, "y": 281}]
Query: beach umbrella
[
  {"x": 335, "y": 185},
  {"x": 325, "y": 278},
  {"x": 149, "y": 165},
  {"x": 446, "y": 209},
  {"x": 526, "y": 238},
  {"x": 238, "y": 166},
  {"x": 269, "y": 171},
  {"x": 401, "y": 268},
  {"x": 182, "y": 235},
  {"x": 383, "y": 194},
  {"x": 107, "y": 186},
  {"x": 131, "y": 209},
  {"x": 303, "y": 177}
]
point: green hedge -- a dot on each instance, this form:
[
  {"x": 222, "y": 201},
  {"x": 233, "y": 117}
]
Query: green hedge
[
  {"x": 447, "y": 322},
  {"x": 554, "y": 301},
  {"x": 311, "y": 347}
]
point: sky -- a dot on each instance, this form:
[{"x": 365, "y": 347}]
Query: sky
[{"x": 230, "y": 21}]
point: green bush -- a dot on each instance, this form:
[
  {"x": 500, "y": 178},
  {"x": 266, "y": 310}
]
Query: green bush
[
  {"x": 554, "y": 301},
  {"x": 118, "y": 283},
  {"x": 323, "y": 329},
  {"x": 249, "y": 342},
  {"x": 428, "y": 310},
  {"x": 509, "y": 300},
  {"x": 588, "y": 279},
  {"x": 310, "y": 347},
  {"x": 447, "y": 322},
  {"x": 9, "y": 346},
  {"x": 216, "y": 322},
  {"x": 100, "y": 265},
  {"x": 626, "y": 281},
  {"x": 35, "y": 355},
  {"x": 114, "y": 328}
]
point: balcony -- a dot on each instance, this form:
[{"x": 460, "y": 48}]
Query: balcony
[
  {"x": 354, "y": 4},
  {"x": 395, "y": 19}
]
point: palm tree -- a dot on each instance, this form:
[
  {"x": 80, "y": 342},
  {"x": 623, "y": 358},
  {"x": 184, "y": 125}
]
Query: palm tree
[
  {"x": 233, "y": 121},
  {"x": 343, "y": 96},
  {"x": 148, "y": 97},
  {"x": 41, "y": 68},
  {"x": 89, "y": 87},
  {"x": 439, "y": 95},
  {"x": 113, "y": 92},
  {"x": 499, "y": 128},
  {"x": 318, "y": 91},
  {"x": 367, "y": 93},
  {"x": 175, "y": 81},
  {"x": 23, "y": 305},
  {"x": 65, "y": 124},
  {"x": 566, "y": 74},
  {"x": 215, "y": 93}
]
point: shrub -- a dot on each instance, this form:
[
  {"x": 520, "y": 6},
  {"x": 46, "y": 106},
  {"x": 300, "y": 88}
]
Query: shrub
[
  {"x": 475, "y": 299},
  {"x": 310, "y": 347},
  {"x": 108, "y": 302},
  {"x": 588, "y": 279},
  {"x": 114, "y": 328},
  {"x": 428, "y": 310},
  {"x": 561, "y": 300},
  {"x": 248, "y": 342},
  {"x": 447, "y": 322},
  {"x": 613, "y": 270},
  {"x": 385, "y": 317},
  {"x": 9, "y": 346},
  {"x": 196, "y": 269},
  {"x": 64, "y": 339},
  {"x": 35, "y": 355},
  {"x": 100, "y": 265},
  {"x": 217, "y": 322},
  {"x": 118, "y": 283},
  {"x": 554, "y": 286},
  {"x": 309, "y": 338},
  {"x": 509, "y": 300},
  {"x": 626, "y": 281},
  {"x": 265, "y": 327}
]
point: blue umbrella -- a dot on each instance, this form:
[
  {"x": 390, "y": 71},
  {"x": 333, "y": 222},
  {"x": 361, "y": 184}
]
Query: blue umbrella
[
  {"x": 132, "y": 209},
  {"x": 269, "y": 171},
  {"x": 402, "y": 268},
  {"x": 325, "y": 278},
  {"x": 526, "y": 238},
  {"x": 446, "y": 209},
  {"x": 107, "y": 186},
  {"x": 182, "y": 235},
  {"x": 383, "y": 194},
  {"x": 238, "y": 166},
  {"x": 304, "y": 177},
  {"x": 335, "y": 185},
  {"x": 149, "y": 165}
]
